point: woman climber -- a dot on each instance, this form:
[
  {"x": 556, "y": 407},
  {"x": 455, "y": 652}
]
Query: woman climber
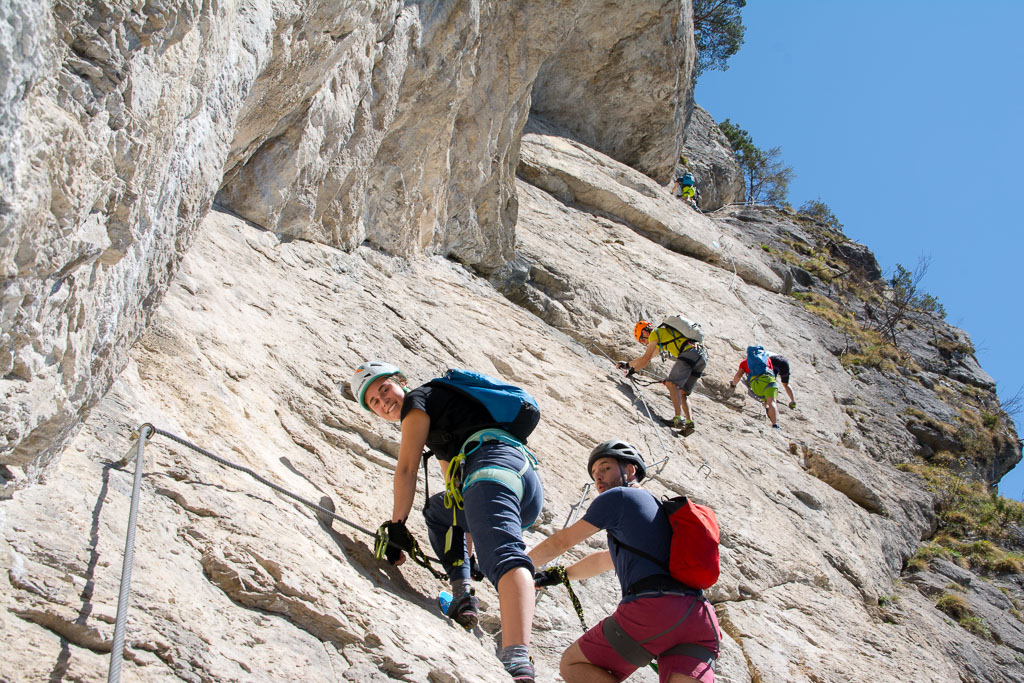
[{"x": 488, "y": 472}]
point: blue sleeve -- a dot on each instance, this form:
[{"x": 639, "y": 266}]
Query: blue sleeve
[{"x": 606, "y": 510}]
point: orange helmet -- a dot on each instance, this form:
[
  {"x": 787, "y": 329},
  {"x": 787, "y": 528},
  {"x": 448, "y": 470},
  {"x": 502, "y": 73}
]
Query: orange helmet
[{"x": 640, "y": 328}]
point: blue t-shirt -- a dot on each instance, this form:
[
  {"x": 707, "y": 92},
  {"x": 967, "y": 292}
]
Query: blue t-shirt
[{"x": 633, "y": 516}]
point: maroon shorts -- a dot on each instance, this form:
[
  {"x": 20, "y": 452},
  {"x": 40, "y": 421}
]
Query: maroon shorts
[{"x": 650, "y": 621}]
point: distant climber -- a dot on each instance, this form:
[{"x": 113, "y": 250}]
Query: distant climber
[
  {"x": 658, "y": 616},
  {"x": 683, "y": 340},
  {"x": 757, "y": 367},
  {"x": 780, "y": 368},
  {"x": 685, "y": 185},
  {"x": 489, "y": 472}
]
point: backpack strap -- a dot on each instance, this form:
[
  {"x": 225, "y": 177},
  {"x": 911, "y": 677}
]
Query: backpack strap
[
  {"x": 676, "y": 336},
  {"x": 641, "y": 553},
  {"x": 426, "y": 478}
]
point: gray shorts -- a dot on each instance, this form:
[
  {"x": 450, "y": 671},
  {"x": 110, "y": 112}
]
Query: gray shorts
[{"x": 687, "y": 369}]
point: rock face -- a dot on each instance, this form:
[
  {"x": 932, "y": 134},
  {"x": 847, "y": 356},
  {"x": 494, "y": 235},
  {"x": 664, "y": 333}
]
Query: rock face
[
  {"x": 341, "y": 122},
  {"x": 596, "y": 183},
  {"x": 249, "y": 356},
  {"x": 246, "y": 338},
  {"x": 623, "y": 81},
  {"x": 707, "y": 150}
]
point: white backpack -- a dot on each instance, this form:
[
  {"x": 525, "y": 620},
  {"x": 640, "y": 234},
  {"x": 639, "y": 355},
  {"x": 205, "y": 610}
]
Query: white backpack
[{"x": 684, "y": 326}]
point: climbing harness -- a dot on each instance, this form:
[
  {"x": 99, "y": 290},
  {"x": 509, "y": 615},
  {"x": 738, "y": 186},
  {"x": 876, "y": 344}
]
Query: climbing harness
[
  {"x": 144, "y": 433},
  {"x": 454, "y": 485},
  {"x": 563, "y": 578},
  {"x": 636, "y": 654}
]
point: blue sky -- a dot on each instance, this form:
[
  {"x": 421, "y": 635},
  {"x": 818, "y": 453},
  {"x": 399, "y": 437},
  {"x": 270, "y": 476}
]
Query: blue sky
[{"x": 903, "y": 116}]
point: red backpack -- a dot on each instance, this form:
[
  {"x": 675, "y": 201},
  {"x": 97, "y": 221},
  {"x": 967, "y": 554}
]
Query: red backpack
[{"x": 693, "y": 556}]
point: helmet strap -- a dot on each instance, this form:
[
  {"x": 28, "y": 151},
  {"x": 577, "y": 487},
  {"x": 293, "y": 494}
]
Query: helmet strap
[{"x": 626, "y": 481}]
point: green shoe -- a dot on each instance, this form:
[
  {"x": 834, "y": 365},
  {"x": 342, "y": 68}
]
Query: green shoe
[
  {"x": 792, "y": 405},
  {"x": 678, "y": 422},
  {"x": 687, "y": 428}
]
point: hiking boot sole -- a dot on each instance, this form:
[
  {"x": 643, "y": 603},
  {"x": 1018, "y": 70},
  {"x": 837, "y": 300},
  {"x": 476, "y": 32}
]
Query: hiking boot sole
[
  {"x": 467, "y": 621},
  {"x": 465, "y": 612},
  {"x": 527, "y": 676}
]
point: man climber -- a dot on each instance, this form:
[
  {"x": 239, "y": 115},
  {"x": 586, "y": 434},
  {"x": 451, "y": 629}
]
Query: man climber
[
  {"x": 658, "y": 617},
  {"x": 685, "y": 185},
  {"x": 691, "y": 360},
  {"x": 757, "y": 367}
]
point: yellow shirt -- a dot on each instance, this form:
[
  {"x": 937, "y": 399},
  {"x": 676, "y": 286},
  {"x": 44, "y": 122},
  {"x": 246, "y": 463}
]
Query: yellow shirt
[{"x": 671, "y": 341}]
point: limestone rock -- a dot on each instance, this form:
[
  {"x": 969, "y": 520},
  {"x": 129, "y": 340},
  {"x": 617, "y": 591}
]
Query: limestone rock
[
  {"x": 249, "y": 355},
  {"x": 345, "y": 122},
  {"x": 397, "y": 135},
  {"x": 859, "y": 257},
  {"x": 578, "y": 175},
  {"x": 622, "y": 83}
]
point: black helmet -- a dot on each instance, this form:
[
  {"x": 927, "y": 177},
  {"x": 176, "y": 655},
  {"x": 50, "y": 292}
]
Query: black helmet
[{"x": 621, "y": 451}]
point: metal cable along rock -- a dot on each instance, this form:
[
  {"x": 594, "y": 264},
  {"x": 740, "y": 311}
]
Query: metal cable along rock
[{"x": 145, "y": 432}]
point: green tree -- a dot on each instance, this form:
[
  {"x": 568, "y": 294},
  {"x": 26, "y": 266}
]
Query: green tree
[
  {"x": 718, "y": 31},
  {"x": 815, "y": 208},
  {"x": 905, "y": 295},
  {"x": 765, "y": 176}
]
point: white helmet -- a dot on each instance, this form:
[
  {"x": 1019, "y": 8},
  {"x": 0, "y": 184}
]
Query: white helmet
[{"x": 366, "y": 373}]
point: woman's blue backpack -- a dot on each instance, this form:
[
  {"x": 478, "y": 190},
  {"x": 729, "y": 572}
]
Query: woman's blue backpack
[{"x": 512, "y": 408}]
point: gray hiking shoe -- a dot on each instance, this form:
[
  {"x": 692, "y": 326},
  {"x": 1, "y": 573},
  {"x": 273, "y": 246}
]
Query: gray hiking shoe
[
  {"x": 465, "y": 611},
  {"x": 523, "y": 673}
]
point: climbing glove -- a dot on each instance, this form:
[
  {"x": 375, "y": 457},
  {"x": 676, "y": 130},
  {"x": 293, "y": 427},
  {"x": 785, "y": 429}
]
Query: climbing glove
[
  {"x": 548, "y": 577},
  {"x": 623, "y": 364},
  {"x": 391, "y": 539}
]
